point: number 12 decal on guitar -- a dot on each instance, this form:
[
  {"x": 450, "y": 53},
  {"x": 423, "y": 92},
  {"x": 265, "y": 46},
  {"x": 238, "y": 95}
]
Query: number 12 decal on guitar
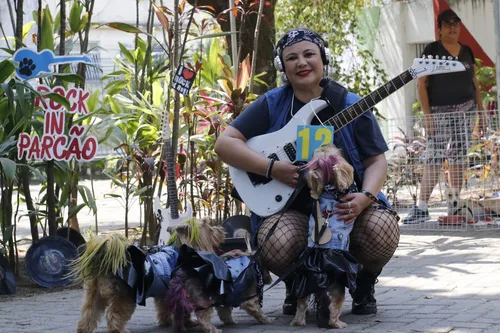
[{"x": 311, "y": 137}]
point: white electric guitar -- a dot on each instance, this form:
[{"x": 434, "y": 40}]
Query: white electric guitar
[
  {"x": 266, "y": 196},
  {"x": 164, "y": 218}
]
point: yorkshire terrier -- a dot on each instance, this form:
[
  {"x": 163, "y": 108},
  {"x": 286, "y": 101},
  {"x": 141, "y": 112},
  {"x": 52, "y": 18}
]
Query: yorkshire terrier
[
  {"x": 329, "y": 177},
  {"x": 118, "y": 275},
  {"x": 206, "y": 279}
]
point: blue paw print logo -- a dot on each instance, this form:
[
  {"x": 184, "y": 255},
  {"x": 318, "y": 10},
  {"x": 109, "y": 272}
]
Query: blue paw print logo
[{"x": 26, "y": 67}]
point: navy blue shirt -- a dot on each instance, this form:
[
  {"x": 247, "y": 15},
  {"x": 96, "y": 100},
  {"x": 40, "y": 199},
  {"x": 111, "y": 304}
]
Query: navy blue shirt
[{"x": 254, "y": 121}]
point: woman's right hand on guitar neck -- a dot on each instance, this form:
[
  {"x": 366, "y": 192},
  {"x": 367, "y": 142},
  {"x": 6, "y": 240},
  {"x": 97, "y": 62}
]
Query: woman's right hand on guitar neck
[{"x": 285, "y": 172}]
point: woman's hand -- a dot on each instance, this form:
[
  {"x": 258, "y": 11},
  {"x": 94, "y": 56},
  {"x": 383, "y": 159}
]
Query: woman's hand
[
  {"x": 355, "y": 204},
  {"x": 428, "y": 125},
  {"x": 285, "y": 172}
]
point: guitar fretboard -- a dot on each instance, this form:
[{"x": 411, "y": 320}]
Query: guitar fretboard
[{"x": 352, "y": 112}]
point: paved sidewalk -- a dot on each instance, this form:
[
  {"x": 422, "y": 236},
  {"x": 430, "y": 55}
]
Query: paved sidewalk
[{"x": 446, "y": 282}]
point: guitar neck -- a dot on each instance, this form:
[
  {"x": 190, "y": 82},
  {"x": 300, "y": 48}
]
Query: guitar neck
[
  {"x": 355, "y": 110},
  {"x": 171, "y": 186}
]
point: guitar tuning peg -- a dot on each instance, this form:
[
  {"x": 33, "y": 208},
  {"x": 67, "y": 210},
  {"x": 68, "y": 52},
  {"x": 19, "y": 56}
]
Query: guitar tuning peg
[
  {"x": 443, "y": 58},
  {"x": 429, "y": 57},
  {"x": 450, "y": 58}
]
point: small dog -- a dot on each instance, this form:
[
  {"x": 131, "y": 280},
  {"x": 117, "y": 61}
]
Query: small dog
[
  {"x": 118, "y": 275},
  {"x": 204, "y": 280},
  {"x": 329, "y": 177}
]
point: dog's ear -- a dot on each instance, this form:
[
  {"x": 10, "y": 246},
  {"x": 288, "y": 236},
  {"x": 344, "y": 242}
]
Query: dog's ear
[
  {"x": 344, "y": 176},
  {"x": 315, "y": 182},
  {"x": 181, "y": 229}
]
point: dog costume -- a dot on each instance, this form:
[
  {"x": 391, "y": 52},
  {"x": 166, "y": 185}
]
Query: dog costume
[{"x": 326, "y": 258}]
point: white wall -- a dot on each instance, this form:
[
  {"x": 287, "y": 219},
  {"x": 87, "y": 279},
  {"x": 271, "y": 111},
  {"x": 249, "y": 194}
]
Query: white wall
[
  {"x": 419, "y": 21},
  {"x": 477, "y": 15},
  {"x": 396, "y": 56}
]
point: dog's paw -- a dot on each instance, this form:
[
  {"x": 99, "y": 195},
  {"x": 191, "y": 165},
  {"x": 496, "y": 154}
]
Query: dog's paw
[
  {"x": 298, "y": 322},
  {"x": 215, "y": 330},
  {"x": 337, "y": 324},
  {"x": 229, "y": 322},
  {"x": 268, "y": 320},
  {"x": 190, "y": 322}
]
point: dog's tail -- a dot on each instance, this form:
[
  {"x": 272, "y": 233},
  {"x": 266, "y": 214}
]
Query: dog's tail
[
  {"x": 103, "y": 255},
  {"x": 177, "y": 301}
]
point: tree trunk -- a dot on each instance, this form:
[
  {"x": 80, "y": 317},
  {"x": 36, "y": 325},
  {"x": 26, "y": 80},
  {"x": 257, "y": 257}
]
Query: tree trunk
[
  {"x": 25, "y": 174},
  {"x": 265, "y": 44}
]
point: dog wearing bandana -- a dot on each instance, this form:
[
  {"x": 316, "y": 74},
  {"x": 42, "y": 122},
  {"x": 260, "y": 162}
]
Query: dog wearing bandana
[{"x": 326, "y": 267}]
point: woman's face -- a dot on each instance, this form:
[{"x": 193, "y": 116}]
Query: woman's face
[
  {"x": 303, "y": 65},
  {"x": 450, "y": 30}
]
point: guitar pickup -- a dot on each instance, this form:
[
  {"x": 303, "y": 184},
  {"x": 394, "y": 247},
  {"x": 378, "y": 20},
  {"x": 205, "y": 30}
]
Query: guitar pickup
[{"x": 290, "y": 151}]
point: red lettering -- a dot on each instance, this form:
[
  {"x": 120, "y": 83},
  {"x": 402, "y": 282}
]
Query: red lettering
[
  {"x": 54, "y": 123},
  {"x": 23, "y": 143},
  {"x": 82, "y": 99},
  {"x": 40, "y": 99},
  {"x": 59, "y": 148},
  {"x": 89, "y": 148},
  {"x": 54, "y": 105},
  {"x": 47, "y": 144},
  {"x": 34, "y": 150},
  {"x": 74, "y": 149},
  {"x": 73, "y": 101}
]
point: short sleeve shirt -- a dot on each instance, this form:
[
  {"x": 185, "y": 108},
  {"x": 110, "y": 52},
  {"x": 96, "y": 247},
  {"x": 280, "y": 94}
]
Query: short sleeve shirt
[{"x": 452, "y": 88}]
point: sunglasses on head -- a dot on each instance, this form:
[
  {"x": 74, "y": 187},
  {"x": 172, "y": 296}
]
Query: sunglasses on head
[{"x": 450, "y": 24}]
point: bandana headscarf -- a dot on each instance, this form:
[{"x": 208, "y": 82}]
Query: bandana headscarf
[{"x": 299, "y": 35}]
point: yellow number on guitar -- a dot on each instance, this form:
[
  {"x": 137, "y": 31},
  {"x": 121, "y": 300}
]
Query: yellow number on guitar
[
  {"x": 324, "y": 134},
  {"x": 305, "y": 135}
]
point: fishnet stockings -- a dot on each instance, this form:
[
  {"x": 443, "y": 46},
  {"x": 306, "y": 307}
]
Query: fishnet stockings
[
  {"x": 286, "y": 243},
  {"x": 374, "y": 239}
]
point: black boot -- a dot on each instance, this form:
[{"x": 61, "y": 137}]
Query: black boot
[
  {"x": 363, "y": 298},
  {"x": 290, "y": 304}
]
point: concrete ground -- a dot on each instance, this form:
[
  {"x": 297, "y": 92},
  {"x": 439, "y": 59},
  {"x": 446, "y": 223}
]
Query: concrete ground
[{"x": 438, "y": 281}]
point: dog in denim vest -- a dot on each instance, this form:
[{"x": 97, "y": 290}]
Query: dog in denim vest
[{"x": 328, "y": 267}]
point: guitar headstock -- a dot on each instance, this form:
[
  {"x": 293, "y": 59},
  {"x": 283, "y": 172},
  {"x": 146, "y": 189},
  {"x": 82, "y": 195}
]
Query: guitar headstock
[{"x": 431, "y": 65}]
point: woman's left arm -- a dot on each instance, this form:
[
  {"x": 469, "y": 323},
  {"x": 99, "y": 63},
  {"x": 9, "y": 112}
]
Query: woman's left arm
[{"x": 373, "y": 180}]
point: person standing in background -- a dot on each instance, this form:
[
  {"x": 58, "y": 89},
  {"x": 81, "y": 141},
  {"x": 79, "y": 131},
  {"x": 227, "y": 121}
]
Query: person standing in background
[{"x": 445, "y": 100}]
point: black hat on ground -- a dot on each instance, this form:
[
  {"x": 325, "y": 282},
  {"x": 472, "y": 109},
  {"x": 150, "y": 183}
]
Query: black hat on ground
[
  {"x": 47, "y": 261},
  {"x": 73, "y": 236}
]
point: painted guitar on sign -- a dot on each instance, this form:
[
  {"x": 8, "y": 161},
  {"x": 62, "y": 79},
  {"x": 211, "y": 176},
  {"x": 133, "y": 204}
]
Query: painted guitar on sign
[
  {"x": 265, "y": 196},
  {"x": 32, "y": 63}
]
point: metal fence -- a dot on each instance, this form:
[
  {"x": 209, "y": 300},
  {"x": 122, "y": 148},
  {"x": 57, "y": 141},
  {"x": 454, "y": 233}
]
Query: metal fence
[{"x": 455, "y": 143}]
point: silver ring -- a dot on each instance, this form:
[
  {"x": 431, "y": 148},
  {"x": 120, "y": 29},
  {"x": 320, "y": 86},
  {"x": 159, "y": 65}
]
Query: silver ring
[
  {"x": 349, "y": 204},
  {"x": 350, "y": 211}
]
